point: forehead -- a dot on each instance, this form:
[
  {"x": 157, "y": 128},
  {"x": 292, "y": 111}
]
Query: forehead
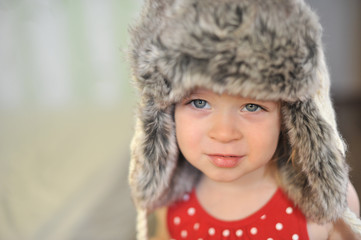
[{"x": 204, "y": 92}]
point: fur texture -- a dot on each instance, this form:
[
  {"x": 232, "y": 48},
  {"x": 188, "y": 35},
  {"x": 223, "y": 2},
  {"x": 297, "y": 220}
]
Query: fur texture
[{"x": 268, "y": 50}]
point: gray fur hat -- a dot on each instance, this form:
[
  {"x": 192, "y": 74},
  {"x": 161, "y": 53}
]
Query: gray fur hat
[{"x": 269, "y": 50}]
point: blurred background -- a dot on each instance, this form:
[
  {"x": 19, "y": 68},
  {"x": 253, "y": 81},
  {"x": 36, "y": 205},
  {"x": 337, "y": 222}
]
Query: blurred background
[{"x": 67, "y": 106}]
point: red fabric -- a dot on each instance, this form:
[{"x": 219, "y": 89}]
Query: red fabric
[{"x": 277, "y": 220}]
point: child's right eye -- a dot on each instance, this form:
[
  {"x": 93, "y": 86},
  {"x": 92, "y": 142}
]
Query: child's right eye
[{"x": 199, "y": 103}]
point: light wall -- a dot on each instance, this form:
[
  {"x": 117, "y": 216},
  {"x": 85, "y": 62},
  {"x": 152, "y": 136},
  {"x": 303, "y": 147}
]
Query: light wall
[{"x": 66, "y": 114}]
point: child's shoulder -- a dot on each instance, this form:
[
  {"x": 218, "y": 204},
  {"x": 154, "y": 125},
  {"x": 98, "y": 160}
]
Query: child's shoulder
[
  {"x": 159, "y": 229},
  {"x": 338, "y": 229}
]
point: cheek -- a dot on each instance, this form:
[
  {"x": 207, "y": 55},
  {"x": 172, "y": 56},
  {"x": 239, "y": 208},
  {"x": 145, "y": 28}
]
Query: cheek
[
  {"x": 188, "y": 133},
  {"x": 271, "y": 140},
  {"x": 265, "y": 141},
  {"x": 188, "y": 136}
]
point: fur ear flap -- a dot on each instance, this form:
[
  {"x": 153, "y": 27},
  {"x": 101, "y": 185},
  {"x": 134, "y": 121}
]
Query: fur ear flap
[
  {"x": 154, "y": 154},
  {"x": 317, "y": 177}
]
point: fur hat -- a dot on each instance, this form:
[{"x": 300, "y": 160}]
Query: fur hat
[{"x": 269, "y": 50}]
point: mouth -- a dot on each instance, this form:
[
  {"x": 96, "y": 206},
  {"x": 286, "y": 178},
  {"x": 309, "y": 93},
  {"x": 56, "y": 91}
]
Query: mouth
[{"x": 225, "y": 161}]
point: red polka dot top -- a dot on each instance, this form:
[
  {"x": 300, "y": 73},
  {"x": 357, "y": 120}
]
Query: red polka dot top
[{"x": 278, "y": 219}]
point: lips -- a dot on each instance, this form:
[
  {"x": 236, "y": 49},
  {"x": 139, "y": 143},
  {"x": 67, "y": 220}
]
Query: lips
[{"x": 225, "y": 161}]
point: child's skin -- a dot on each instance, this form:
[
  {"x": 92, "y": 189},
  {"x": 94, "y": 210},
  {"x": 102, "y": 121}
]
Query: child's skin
[{"x": 232, "y": 140}]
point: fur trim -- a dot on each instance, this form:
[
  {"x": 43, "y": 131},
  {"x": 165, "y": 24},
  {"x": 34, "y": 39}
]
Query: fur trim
[
  {"x": 154, "y": 155},
  {"x": 268, "y": 50},
  {"x": 317, "y": 180},
  {"x": 238, "y": 46}
]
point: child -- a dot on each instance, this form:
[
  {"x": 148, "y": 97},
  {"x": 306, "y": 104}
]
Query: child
[{"x": 236, "y": 136}]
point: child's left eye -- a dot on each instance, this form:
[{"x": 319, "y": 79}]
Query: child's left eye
[{"x": 250, "y": 107}]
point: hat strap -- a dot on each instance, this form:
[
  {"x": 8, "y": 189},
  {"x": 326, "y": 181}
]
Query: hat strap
[
  {"x": 352, "y": 220},
  {"x": 142, "y": 224}
]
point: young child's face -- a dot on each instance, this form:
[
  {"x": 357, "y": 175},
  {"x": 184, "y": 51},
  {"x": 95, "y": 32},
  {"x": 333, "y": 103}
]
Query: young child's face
[{"x": 224, "y": 136}]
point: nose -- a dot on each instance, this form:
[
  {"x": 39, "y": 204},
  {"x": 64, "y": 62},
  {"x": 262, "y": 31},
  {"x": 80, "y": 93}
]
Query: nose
[{"x": 225, "y": 127}]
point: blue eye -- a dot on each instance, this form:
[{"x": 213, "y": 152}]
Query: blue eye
[
  {"x": 252, "y": 107},
  {"x": 199, "y": 103}
]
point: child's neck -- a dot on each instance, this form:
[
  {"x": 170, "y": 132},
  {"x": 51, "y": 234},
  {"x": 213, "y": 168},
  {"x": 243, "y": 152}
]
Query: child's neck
[{"x": 249, "y": 193}]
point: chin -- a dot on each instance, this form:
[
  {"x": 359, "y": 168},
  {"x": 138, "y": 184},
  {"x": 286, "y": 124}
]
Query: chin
[{"x": 223, "y": 177}]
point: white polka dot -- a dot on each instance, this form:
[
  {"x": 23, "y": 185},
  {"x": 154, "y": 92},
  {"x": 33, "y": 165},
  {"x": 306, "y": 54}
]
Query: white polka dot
[
  {"x": 254, "y": 231},
  {"x": 226, "y": 233},
  {"x": 200, "y": 238},
  {"x": 279, "y": 226},
  {"x": 289, "y": 210},
  {"x": 184, "y": 234},
  {"x": 186, "y": 197},
  {"x": 295, "y": 237},
  {"x": 269, "y": 238},
  {"x": 211, "y": 231},
  {"x": 191, "y": 211},
  {"x": 263, "y": 217},
  {"x": 239, "y": 233},
  {"x": 196, "y": 226},
  {"x": 177, "y": 220}
]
